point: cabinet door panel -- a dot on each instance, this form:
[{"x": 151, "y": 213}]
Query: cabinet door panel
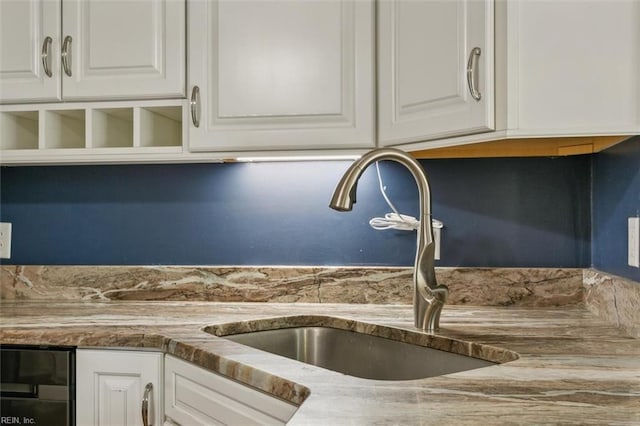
[
  {"x": 580, "y": 74},
  {"x": 125, "y": 49},
  {"x": 116, "y": 392},
  {"x": 287, "y": 65},
  {"x": 421, "y": 80},
  {"x": 195, "y": 396},
  {"x": 110, "y": 386},
  {"x": 24, "y": 25},
  {"x": 282, "y": 74},
  {"x": 424, "y": 47}
]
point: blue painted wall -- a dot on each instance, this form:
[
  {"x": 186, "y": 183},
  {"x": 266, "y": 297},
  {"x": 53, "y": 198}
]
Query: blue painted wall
[
  {"x": 616, "y": 196},
  {"x": 497, "y": 212}
]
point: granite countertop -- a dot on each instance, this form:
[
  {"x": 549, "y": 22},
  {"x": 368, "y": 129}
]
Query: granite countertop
[{"x": 572, "y": 368}]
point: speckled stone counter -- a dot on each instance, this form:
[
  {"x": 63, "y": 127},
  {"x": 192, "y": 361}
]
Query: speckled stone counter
[{"x": 572, "y": 367}]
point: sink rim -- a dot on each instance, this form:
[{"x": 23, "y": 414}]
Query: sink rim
[{"x": 481, "y": 351}]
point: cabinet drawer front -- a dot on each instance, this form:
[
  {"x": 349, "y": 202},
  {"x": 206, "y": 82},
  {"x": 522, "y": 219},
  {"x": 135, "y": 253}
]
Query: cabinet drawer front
[{"x": 195, "y": 396}]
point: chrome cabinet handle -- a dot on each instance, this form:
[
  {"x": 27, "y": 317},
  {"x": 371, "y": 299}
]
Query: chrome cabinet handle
[
  {"x": 472, "y": 74},
  {"x": 195, "y": 106},
  {"x": 46, "y": 48},
  {"x": 66, "y": 55},
  {"x": 145, "y": 404}
]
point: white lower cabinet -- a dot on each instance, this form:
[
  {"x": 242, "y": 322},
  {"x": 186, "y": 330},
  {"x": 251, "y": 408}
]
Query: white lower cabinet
[
  {"x": 111, "y": 386},
  {"x": 195, "y": 396}
]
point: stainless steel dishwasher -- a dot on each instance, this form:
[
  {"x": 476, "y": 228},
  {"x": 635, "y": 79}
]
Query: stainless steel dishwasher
[{"x": 37, "y": 385}]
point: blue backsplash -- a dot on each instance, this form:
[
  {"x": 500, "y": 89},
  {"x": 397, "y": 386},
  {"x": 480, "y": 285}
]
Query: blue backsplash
[
  {"x": 616, "y": 196},
  {"x": 497, "y": 212}
]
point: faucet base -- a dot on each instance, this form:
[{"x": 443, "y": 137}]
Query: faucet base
[{"x": 428, "y": 318}]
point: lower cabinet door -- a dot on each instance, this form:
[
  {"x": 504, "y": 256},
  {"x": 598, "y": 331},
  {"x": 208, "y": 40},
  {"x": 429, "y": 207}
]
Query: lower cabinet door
[
  {"x": 195, "y": 396},
  {"x": 111, "y": 386}
]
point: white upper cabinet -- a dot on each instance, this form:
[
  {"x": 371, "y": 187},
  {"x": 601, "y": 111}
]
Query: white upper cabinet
[
  {"x": 29, "y": 40},
  {"x": 94, "y": 50},
  {"x": 281, "y": 75},
  {"x": 573, "y": 67},
  {"x": 124, "y": 49},
  {"x": 563, "y": 68},
  {"x": 435, "y": 69}
]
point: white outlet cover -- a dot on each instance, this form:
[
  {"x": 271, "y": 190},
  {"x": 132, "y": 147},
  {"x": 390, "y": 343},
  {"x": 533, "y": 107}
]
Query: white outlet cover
[
  {"x": 5, "y": 240},
  {"x": 634, "y": 242}
]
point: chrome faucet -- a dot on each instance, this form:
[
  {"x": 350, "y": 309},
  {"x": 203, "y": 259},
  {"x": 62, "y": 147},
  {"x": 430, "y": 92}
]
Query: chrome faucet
[{"x": 429, "y": 297}]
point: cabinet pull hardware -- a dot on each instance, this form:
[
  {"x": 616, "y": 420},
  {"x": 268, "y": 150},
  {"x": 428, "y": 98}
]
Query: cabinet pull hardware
[
  {"x": 145, "y": 404},
  {"x": 66, "y": 55},
  {"x": 46, "y": 48},
  {"x": 195, "y": 106},
  {"x": 472, "y": 74}
]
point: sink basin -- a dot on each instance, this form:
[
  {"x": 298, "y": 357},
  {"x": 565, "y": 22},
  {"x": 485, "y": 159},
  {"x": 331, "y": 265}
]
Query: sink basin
[{"x": 365, "y": 355}]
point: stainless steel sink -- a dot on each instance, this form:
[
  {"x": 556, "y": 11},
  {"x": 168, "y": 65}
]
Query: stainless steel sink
[{"x": 363, "y": 355}]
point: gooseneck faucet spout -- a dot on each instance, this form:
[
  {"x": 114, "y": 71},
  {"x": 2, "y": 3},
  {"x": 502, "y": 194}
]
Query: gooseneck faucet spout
[{"x": 429, "y": 297}]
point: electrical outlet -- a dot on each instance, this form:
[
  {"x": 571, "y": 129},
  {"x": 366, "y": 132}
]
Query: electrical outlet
[
  {"x": 5, "y": 240},
  {"x": 634, "y": 242}
]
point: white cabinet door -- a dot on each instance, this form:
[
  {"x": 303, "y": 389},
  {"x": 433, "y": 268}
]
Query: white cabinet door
[
  {"x": 24, "y": 28},
  {"x": 197, "y": 397},
  {"x": 124, "y": 49},
  {"x": 110, "y": 385},
  {"x": 281, "y": 75},
  {"x": 573, "y": 67},
  {"x": 425, "y": 50}
]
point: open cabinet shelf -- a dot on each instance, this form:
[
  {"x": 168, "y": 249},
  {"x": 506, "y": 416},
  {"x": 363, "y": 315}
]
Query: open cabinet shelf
[
  {"x": 112, "y": 128},
  {"x": 19, "y": 130},
  {"x": 92, "y": 132},
  {"x": 160, "y": 126}
]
